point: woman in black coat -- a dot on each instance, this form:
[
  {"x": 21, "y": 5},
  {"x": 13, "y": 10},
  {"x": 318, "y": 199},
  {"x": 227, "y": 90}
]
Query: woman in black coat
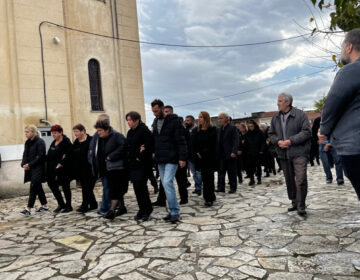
[
  {"x": 110, "y": 163},
  {"x": 82, "y": 168},
  {"x": 58, "y": 169},
  {"x": 204, "y": 154},
  {"x": 254, "y": 143},
  {"x": 33, "y": 162},
  {"x": 140, "y": 146}
]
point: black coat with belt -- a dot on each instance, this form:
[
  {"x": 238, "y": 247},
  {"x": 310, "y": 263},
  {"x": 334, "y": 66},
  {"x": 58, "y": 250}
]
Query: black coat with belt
[
  {"x": 81, "y": 167},
  {"x": 35, "y": 156},
  {"x": 137, "y": 137},
  {"x": 204, "y": 144}
]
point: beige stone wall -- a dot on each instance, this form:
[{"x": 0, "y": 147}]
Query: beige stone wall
[
  {"x": 66, "y": 63},
  {"x": 66, "y": 67}
]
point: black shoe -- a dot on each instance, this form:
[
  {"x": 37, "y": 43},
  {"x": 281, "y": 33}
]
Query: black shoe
[
  {"x": 110, "y": 215},
  {"x": 220, "y": 190},
  {"x": 247, "y": 177},
  {"x": 208, "y": 203},
  {"x": 274, "y": 172},
  {"x": 240, "y": 181},
  {"x": 232, "y": 191},
  {"x": 251, "y": 183},
  {"x": 279, "y": 170},
  {"x": 183, "y": 201},
  {"x": 340, "y": 183},
  {"x": 292, "y": 208},
  {"x": 156, "y": 189},
  {"x": 146, "y": 217},
  {"x": 67, "y": 209},
  {"x": 94, "y": 207},
  {"x": 267, "y": 174},
  {"x": 81, "y": 210},
  {"x": 198, "y": 192},
  {"x": 174, "y": 219},
  {"x": 138, "y": 216},
  {"x": 167, "y": 218},
  {"x": 121, "y": 211},
  {"x": 301, "y": 212},
  {"x": 156, "y": 203},
  {"x": 58, "y": 209},
  {"x": 188, "y": 184},
  {"x": 259, "y": 182}
]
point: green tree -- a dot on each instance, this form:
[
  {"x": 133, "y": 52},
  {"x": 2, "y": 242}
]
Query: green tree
[
  {"x": 319, "y": 104},
  {"x": 345, "y": 14}
]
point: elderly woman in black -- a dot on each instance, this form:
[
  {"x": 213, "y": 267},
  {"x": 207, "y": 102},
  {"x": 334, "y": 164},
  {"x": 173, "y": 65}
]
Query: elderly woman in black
[
  {"x": 204, "y": 154},
  {"x": 82, "y": 168},
  {"x": 58, "y": 170},
  {"x": 110, "y": 162},
  {"x": 141, "y": 146},
  {"x": 33, "y": 162},
  {"x": 254, "y": 145}
]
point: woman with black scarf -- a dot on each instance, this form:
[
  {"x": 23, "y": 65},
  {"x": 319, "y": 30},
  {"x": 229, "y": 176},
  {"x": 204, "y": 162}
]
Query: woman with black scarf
[{"x": 254, "y": 144}]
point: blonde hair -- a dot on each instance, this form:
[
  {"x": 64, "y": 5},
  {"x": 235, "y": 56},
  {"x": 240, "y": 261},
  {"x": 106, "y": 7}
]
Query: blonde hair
[{"x": 33, "y": 129}]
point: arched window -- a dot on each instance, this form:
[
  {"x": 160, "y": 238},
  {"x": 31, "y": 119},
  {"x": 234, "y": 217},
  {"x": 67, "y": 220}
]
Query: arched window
[{"x": 95, "y": 85}]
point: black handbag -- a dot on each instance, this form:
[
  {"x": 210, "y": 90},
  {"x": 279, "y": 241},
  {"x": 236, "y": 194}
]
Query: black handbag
[{"x": 115, "y": 165}]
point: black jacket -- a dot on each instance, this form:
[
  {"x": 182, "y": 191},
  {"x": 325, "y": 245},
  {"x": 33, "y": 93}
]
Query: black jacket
[
  {"x": 59, "y": 154},
  {"x": 80, "y": 165},
  {"x": 170, "y": 143},
  {"x": 229, "y": 143},
  {"x": 34, "y": 155},
  {"x": 204, "y": 143},
  {"x": 137, "y": 137},
  {"x": 254, "y": 142},
  {"x": 115, "y": 148}
]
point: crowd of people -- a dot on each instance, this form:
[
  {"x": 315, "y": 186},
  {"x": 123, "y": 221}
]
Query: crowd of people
[{"x": 173, "y": 146}]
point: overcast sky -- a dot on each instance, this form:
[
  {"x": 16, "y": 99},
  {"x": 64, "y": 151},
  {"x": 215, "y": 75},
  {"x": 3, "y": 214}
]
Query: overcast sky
[{"x": 181, "y": 76}]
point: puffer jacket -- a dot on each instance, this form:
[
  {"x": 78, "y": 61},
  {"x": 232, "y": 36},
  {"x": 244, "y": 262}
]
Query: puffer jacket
[{"x": 170, "y": 143}]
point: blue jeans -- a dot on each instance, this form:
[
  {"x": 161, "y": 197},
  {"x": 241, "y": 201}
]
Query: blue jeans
[
  {"x": 351, "y": 166},
  {"x": 167, "y": 174},
  {"x": 105, "y": 201},
  {"x": 196, "y": 175},
  {"x": 326, "y": 164}
]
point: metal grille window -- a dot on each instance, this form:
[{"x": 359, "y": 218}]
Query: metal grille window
[{"x": 95, "y": 85}]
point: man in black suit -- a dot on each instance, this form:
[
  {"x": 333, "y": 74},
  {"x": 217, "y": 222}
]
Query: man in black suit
[{"x": 228, "y": 142}]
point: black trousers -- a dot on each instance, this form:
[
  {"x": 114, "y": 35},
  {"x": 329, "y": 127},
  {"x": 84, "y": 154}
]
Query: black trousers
[
  {"x": 181, "y": 180},
  {"x": 351, "y": 166},
  {"x": 139, "y": 177},
  {"x": 36, "y": 189},
  {"x": 208, "y": 180},
  {"x": 118, "y": 183},
  {"x": 254, "y": 166},
  {"x": 240, "y": 168},
  {"x": 54, "y": 185},
  {"x": 229, "y": 166},
  {"x": 151, "y": 177},
  {"x": 295, "y": 172},
  {"x": 87, "y": 182}
]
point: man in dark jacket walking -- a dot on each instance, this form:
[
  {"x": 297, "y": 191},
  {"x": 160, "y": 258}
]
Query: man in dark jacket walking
[
  {"x": 290, "y": 132},
  {"x": 340, "y": 119},
  {"x": 170, "y": 152},
  {"x": 228, "y": 143}
]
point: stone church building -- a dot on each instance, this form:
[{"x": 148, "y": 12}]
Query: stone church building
[{"x": 60, "y": 64}]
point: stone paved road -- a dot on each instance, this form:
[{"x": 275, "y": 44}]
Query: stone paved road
[{"x": 247, "y": 235}]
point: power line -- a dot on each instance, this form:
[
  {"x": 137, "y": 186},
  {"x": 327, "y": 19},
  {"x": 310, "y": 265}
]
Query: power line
[
  {"x": 178, "y": 45},
  {"x": 254, "y": 89}
]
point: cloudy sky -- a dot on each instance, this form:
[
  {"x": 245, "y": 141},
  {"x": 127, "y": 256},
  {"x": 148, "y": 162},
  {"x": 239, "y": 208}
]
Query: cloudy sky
[{"x": 181, "y": 76}]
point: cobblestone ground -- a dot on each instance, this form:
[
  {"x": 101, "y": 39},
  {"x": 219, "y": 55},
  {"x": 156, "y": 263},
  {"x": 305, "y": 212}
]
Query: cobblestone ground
[{"x": 247, "y": 235}]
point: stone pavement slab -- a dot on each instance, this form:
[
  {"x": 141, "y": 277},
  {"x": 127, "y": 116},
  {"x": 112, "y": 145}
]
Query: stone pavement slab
[{"x": 246, "y": 235}]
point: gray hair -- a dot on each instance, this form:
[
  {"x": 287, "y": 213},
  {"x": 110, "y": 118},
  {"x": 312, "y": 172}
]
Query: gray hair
[
  {"x": 287, "y": 97},
  {"x": 104, "y": 117},
  {"x": 225, "y": 115},
  {"x": 353, "y": 37}
]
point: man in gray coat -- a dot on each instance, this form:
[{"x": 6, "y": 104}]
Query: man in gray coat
[
  {"x": 290, "y": 132},
  {"x": 340, "y": 119}
]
